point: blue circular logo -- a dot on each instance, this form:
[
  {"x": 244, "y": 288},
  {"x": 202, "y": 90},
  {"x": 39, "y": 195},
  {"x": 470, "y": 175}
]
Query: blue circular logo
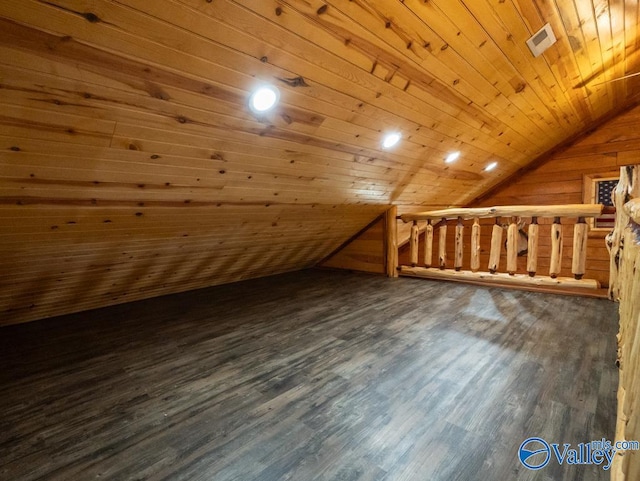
[{"x": 534, "y": 453}]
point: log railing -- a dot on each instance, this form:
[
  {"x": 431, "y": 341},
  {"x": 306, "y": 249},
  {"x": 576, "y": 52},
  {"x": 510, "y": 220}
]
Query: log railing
[
  {"x": 624, "y": 286},
  {"x": 436, "y": 224}
]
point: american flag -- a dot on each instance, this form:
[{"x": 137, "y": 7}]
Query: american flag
[{"x": 604, "y": 188}]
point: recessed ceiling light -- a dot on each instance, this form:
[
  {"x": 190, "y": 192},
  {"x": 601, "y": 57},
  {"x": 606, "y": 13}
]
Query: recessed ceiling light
[
  {"x": 264, "y": 98},
  {"x": 390, "y": 140},
  {"x": 491, "y": 166},
  {"x": 452, "y": 157}
]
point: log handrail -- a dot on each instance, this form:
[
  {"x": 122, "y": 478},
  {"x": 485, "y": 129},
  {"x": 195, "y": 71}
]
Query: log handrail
[
  {"x": 568, "y": 210},
  {"x": 498, "y": 245}
]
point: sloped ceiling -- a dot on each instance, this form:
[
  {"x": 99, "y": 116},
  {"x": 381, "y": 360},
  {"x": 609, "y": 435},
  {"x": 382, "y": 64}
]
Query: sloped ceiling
[{"x": 130, "y": 165}]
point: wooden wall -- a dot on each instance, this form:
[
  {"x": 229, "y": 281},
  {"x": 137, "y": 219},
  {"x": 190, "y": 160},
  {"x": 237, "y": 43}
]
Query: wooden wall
[
  {"x": 365, "y": 253},
  {"x": 63, "y": 258},
  {"x": 131, "y": 166},
  {"x": 559, "y": 180}
]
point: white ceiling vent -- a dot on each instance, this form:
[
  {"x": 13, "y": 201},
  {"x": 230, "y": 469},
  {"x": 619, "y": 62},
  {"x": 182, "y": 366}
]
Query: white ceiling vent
[{"x": 541, "y": 40}]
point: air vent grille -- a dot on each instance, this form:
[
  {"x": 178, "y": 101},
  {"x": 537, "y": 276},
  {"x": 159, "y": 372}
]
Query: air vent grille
[{"x": 541, "y": 40}]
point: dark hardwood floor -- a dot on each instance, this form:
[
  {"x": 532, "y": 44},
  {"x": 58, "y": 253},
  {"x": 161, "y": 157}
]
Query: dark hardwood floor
[{"x": 313, "y": 375}]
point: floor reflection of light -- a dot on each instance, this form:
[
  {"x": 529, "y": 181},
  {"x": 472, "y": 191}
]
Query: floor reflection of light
[{"x": 482, "y": 305}]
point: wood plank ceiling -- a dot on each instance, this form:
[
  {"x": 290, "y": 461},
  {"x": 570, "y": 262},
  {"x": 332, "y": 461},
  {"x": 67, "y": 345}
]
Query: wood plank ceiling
[{"x": 130, "y": 165}]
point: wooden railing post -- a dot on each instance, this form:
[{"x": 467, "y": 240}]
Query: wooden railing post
[
  {"x": 428, "y": 244},
  {"x": 459, "y": 245},
  {"x": 579, "y": 260},
  {"x": 555, "y": 264},
  {"x": 532, "y": 247},
  {"x": 496, "y": 244},
  {"x": 624, "y": 248},
  {"x": 442, "y": 245},
  {"x": 414, "y": 243},
  {"x": 512, "y": 247},
  {"x": 391, "y": 241},
  {"x": 475, "y": 245}
]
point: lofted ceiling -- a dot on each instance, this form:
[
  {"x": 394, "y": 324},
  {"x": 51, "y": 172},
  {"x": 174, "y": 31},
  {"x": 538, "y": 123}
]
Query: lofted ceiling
[{"x": 131, "y": 165}]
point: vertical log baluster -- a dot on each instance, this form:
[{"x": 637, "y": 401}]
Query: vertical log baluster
[
  {"x": 512, "y": 247},
  {"x": 579, "y": 260},
  {"x": 428, "y": 244},
  {"x": 414, "y": 243},
  {"x": 459, "y": 245},
  {"x": 442, "y": 245},
  {"x": 475, "y": 245},
  {"x": 391, "y": 241},
  {"x": 532, "y": 248},
  {"x": 496, "y": 243},
  {"x": 555, "y": 265}
]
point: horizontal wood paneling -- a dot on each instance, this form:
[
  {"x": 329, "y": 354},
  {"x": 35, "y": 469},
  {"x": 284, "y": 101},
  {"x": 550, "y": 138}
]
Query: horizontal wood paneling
[
  {"x": 365, "y": 253},
  {"x": 559, "y": 178},
  {"x": 58, "y": 259},
  {"x": 124, "y": 127}
]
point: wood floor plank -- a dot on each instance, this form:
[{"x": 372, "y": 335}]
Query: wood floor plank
[{"x": 312, "y": 375}]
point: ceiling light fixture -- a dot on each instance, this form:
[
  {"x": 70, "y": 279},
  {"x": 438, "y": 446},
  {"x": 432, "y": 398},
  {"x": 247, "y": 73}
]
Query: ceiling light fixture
[
  {"x": 452, "y": 157},
  {"x": 391, "y": 139},
  {"x": 491, "y": 166},
  {"x": 264, "y": 98}
]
